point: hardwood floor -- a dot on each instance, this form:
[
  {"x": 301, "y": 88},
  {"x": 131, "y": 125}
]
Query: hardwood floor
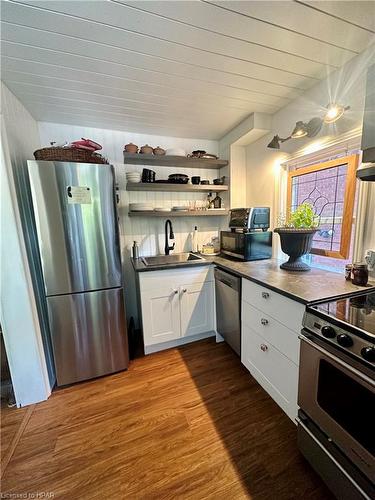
[
  {"x": 11, "y": 425},
  {"x": 188, "y": 423}
]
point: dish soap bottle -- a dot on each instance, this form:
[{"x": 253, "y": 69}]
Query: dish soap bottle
[
  {"x": 135, "y": 250},
  {"x": 217, "y": 201},
  {"x": 195, "y": 240}
]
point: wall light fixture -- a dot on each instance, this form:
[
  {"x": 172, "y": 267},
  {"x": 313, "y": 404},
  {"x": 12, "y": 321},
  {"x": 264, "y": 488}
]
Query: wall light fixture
[{"x": 313, "y": 127}]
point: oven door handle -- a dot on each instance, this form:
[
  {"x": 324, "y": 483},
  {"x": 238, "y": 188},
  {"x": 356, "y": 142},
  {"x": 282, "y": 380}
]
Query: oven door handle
[
  {"x": 352, "y": 370},
  {"x": 338, "y": 465}
]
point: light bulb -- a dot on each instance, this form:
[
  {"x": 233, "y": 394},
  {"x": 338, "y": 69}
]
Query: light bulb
[
  {"x": 299, "y": 130},
  {"x": 334, "y": 112}
]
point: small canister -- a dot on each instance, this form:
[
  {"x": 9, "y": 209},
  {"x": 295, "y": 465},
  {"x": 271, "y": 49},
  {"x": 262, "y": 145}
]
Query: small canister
[
  {"x": 360, "y": 274},
  {"x": 348, "y": 271}
]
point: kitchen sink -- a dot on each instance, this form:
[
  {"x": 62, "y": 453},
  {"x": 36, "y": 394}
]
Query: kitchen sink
[{"x": 173, "y": 259}]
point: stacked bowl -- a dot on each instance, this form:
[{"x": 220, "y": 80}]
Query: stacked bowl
[{"x": 133, "y": 177}]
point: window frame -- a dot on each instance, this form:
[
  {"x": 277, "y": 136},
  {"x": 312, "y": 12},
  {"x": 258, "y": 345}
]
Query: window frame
[{"x": 349, "y": 199}]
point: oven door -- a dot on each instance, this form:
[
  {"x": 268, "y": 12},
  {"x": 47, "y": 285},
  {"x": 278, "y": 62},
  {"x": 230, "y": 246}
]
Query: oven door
[{"x": 341, "y": 401}]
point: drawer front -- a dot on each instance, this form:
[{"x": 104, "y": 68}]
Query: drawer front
[
  {"x": 284, "y": 339},
  {"x": 274, "y": 371},
  {"x": 151, "y": 280},
  {"x": 287, "y": 311}
]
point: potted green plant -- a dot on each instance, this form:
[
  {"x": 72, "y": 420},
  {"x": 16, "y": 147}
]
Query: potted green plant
[{"x": 296, "y": 236}]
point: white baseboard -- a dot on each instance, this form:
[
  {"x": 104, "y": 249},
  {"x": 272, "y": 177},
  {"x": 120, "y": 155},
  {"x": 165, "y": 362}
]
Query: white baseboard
[
  {"x": 219, "y": 338},
  {"x": 176, "y": 343}
]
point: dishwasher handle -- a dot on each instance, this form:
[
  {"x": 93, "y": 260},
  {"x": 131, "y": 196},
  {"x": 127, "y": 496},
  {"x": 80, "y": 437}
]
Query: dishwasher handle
[{"x": 228, "y": 279}]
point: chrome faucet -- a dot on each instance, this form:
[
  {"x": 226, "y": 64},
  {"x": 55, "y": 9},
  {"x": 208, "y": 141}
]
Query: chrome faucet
[{"x": 167, "y": 248}]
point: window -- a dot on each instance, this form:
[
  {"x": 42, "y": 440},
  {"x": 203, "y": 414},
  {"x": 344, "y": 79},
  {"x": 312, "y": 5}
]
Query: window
[{"x": 330, "y": 187}]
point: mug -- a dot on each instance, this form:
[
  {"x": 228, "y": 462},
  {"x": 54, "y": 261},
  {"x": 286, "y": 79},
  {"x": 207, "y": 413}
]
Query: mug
[{"x": 195, "y": 180}]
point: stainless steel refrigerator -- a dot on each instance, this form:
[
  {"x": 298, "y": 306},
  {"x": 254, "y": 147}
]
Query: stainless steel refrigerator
[{"x": 76, "y": 223}]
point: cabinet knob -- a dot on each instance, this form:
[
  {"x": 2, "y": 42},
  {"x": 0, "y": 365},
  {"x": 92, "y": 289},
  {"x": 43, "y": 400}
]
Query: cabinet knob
[
  {"x": 265, "y": 295},
  {"x": 184, "y": 290},
  {"x": 175, "y": 291},
  {"x": 263, "y": 347},
  {"x": 264, "y": 321}
]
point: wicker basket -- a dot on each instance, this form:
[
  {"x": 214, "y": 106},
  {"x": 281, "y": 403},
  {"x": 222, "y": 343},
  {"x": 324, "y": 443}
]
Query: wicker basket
[{"x": 68, "y": 154}]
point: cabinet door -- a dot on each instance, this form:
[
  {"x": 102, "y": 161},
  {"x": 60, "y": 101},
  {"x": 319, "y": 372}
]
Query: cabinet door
[
  {"x": 197, "y": 308},
  {"x": 160, "y": 315}
]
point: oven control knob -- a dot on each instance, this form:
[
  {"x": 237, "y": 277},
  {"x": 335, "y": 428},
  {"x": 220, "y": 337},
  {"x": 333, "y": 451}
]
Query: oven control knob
[
  {"x": 368, "y": 353},
  {"x": 328, "y": 332},
  {"x": 344, "y": 340}
]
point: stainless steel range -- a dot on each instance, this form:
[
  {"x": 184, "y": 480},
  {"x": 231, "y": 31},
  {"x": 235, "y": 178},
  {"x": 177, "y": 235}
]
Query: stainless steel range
[{"x": 336, "y": 394}]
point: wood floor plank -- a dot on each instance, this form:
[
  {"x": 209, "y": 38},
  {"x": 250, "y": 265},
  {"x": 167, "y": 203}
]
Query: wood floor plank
[
  {"x": 13, "y": 424},
  {"x": 187, "y": 423}
]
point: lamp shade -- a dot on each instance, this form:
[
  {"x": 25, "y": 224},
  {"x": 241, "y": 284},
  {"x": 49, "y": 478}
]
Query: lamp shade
[
  {"x": 314, "y": 126},
  {"x": 334, "y": 112},
  {"x": 275, "y": 143},
  {"x": 299, "y": 130}
]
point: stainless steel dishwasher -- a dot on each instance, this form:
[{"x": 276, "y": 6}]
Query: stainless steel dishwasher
[{"x": 228, "y": 308}]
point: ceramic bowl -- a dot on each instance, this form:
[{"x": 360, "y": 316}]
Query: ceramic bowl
[
  {"x": 159, "y": 151},
  {"x": 146, "y": 150},
  {"x": 131, "y": 148}
]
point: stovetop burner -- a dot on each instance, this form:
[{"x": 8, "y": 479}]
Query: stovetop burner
[
  {"x": 346, "y": 324},
  {"x": 357, "y": 311}
]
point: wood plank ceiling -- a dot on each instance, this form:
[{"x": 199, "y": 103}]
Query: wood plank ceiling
[{"x": 180, "y": 68}]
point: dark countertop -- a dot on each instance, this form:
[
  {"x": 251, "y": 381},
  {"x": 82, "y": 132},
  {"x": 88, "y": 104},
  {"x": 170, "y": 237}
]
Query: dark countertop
[{"x": 305, "y": 287}]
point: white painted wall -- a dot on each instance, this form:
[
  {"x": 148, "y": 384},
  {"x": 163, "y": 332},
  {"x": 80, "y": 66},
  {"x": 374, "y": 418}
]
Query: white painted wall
[
  {"x": 19, "y": 319},
  {"x": 346, "y": 86},
  {"x": 149, "y": 233},
  {"x": 232, "y": 147}
]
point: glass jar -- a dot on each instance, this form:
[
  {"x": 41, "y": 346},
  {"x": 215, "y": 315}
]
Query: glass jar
[
  {"x": 348, "y": 271},
  {"x": 360, "y": 274}
]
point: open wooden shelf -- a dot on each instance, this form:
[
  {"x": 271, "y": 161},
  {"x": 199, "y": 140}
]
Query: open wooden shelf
[
  {"x": 181, "y": 188},
  {"x": 173, "y": 161},
  {"x": 182, "y": 213}
]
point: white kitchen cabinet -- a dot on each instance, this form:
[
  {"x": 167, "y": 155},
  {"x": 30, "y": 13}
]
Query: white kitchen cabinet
[
  {"x": 161, "y": 314},
  {"x": 177, "y": 306},
  {"x": 276, "y": 373},
  {"x": 271, "y": 324},
  {"x": 287, "y": 311},
  {"x": 197, "y": 308}
]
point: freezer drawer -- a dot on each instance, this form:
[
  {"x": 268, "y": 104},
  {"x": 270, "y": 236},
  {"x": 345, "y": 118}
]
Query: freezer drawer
[
  {"x": 228, "y": 308},
  {"x": 88, "y": 334}
]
